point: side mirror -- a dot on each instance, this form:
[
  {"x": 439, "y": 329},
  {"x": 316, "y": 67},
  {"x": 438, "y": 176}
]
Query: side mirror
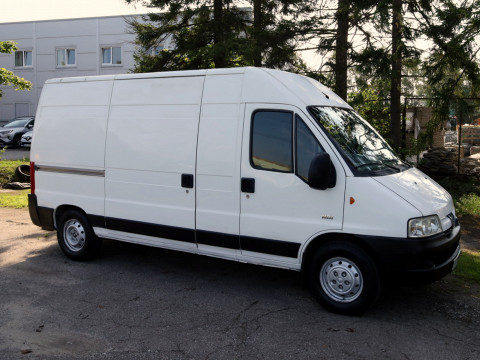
[{"x": 322, "y": 174}]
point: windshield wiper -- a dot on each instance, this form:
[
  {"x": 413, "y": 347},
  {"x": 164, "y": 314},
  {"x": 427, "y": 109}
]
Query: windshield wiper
[
  {"x": 402, "y": 163},
  {"x": 378, "y": 163},
  {"x": 393, "y": 167},
  {"x": 368, "y": 164}
]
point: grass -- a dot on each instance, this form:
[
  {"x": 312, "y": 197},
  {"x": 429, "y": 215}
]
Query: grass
[
  {"x": 468, "y": 204},
  {"x": 14, "y": 199},
  {"x": 468, "y": 267},
  {"x": 465, "y": 191},
  {"x": 7, "y": 170}
]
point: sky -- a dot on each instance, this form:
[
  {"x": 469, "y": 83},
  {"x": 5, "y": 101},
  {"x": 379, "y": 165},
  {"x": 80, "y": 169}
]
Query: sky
[{"x": 29, "y": 10}]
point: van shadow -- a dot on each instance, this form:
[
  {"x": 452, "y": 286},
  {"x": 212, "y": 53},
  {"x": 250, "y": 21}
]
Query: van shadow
[{"x": 124, "y": 264}]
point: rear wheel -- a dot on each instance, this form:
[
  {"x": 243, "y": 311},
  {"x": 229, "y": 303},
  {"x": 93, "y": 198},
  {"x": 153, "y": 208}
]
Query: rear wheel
[
  {"x": 344, "y": 278},
  {"x": 76, "y": 237}
]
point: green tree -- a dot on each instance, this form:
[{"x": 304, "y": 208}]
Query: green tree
[
  {"x": 8, "y": 78},
  {"x": 220, "y": 33},
  {"x": 371, "y": 101},
  {"x": 393, "y": 48}
]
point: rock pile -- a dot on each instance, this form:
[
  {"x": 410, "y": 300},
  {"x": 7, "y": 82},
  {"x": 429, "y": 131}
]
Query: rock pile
[
  {"x": 471, "y": 165},
  {"x": 439, "y": 161},
  {"x": 464, "y": 150},
  {"x": 450, "y": 137}
]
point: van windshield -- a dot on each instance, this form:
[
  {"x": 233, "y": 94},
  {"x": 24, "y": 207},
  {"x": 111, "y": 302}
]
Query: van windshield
[{"x": 365, "y": 151}]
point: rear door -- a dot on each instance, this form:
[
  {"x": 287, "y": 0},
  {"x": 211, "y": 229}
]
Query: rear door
[{"x": 279, "y": 211}]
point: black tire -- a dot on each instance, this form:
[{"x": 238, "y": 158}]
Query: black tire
[
  {"x": 344, "y": 278},
  {"x": 23, "y": 173},
  {"x": 76, "y": 237},
  {"x": 17, "y": 141}
]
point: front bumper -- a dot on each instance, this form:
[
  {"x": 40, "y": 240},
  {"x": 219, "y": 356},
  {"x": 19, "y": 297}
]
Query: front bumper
[
  {"x": 417, "y": 261},
  {"x": 6, "y": 139}
]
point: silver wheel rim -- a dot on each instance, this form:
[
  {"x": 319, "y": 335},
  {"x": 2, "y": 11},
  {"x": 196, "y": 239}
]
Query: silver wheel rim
[
  {"x": 74, "y": 235},
  {"x": 341, "y": 280}
]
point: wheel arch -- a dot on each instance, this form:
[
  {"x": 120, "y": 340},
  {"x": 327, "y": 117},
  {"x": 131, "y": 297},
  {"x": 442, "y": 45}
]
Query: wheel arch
[
  {"x": 60, "y": 210},
  {"x": 318, "y": 241}
]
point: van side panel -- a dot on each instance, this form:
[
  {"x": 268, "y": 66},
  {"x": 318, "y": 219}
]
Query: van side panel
[
  {"x": 218, "y": 164},
  {"x": 69, "y": 145},
  {"x": 151, "y": 142}
]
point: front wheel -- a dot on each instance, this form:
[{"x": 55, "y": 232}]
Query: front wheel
[
  {"x": 344, "y": 278},
  {"x": 17, "y": 141},
  {"x": 76, "y": 237}
]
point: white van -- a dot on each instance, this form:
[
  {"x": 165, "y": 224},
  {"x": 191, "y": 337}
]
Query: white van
[{"x": 248, "y": 164}]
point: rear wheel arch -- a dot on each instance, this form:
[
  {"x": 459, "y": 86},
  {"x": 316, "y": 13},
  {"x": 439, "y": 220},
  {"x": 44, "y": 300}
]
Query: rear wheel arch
[{"x": 60, "y": 210}]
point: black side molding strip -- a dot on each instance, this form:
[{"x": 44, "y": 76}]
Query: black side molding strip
[
  {"x": 149, "y": 229},
  {"x": 228, "y": 241},
  {"x": 272, "y": 247},
  {"x": 96, "y": 221},
  {"x": 211, "y": 238},
  {"x": 43, "y": 217}
]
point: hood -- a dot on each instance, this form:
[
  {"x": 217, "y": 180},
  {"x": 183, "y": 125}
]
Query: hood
[
  {"x": 421, "y": 191},
  {"x": 2, "y": 128}
]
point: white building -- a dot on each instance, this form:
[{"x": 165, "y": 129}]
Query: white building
[{"x": 62, "y": 48}]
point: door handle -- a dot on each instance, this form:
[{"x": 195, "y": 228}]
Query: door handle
[
  {"x": 248, "y": 185},
  {"x": 187, "y": 181}
]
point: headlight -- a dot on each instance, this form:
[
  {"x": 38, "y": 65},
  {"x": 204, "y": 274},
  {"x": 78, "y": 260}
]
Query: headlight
[
  {"x": 6, "y": 132},
  {"x": 424, "y": 226}
]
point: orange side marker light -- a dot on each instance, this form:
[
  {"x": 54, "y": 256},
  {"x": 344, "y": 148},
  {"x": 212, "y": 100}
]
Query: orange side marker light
[{"x": 352, "y": 200}]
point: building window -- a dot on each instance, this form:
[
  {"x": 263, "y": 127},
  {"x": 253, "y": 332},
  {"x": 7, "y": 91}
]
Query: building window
[
  {"x": 66, "y": 57},
  {"x": 112, "y": 55},
  {"x": 155, "y": 50},
  {"x": 23, "y": 58}
]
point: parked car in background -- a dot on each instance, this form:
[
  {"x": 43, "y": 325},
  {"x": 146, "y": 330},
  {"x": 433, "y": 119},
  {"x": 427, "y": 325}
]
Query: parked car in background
[
  {"x": 11, "y": 133},
  {"x": 26, "y": 140}
]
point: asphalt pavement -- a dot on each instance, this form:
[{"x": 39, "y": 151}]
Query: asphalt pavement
[
  {"x": 15, "y": 154},
  {"x": 137, "y": 302}
]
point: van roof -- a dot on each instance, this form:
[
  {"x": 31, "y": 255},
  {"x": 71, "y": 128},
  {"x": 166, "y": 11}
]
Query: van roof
[{"x": 259, "y": 85}]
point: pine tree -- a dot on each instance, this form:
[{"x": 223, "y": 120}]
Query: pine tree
[{"x": 220, "y": 33}]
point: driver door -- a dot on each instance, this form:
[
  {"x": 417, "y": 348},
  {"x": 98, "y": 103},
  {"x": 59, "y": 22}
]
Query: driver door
[{"x": 279, "y": 211}]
